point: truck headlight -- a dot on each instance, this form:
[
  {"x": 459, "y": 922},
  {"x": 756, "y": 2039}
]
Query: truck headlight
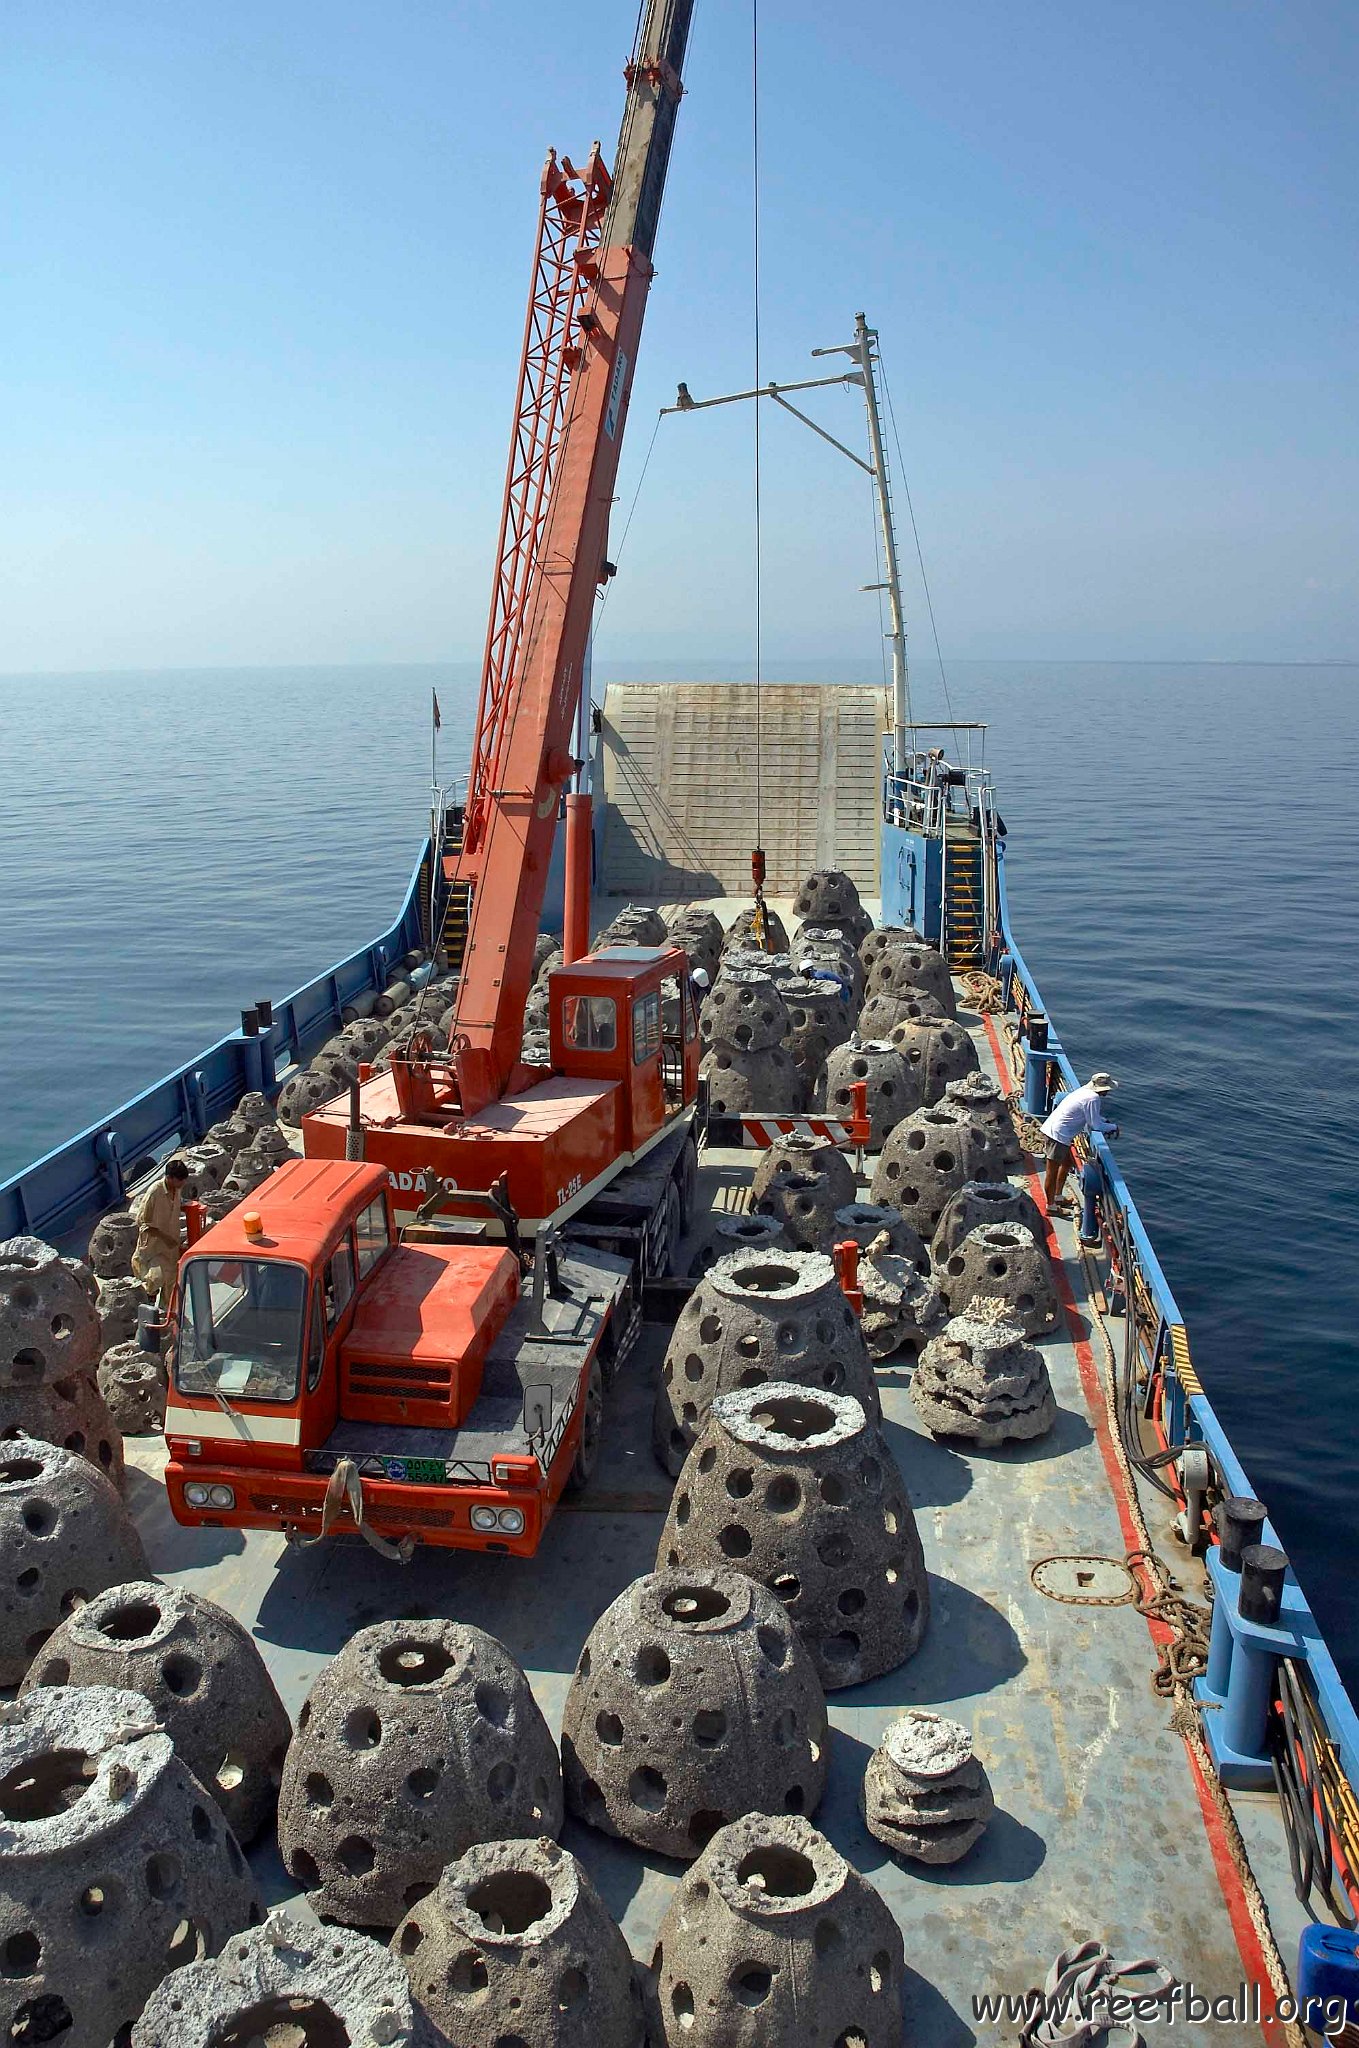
[
  {"x": 511, "y": 1520},
  {"x": 196, "y": 1495},
  {"x": 222, "y": 1496},
  {"x": 485, "y": 1518}
]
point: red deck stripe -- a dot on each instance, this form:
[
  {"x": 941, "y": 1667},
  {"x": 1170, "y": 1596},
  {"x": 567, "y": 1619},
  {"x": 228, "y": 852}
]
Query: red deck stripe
[{"x": 1243, "y": 1927}]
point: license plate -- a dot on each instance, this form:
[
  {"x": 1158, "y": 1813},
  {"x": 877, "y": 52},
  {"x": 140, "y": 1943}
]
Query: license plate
[{"x": 424, "y": 1471}]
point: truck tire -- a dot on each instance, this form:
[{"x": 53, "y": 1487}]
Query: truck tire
[
  {"x": 587, "y": 1450},
  {"x": 666, "y": 1234},
  {"x": 687, "y": 1179}
]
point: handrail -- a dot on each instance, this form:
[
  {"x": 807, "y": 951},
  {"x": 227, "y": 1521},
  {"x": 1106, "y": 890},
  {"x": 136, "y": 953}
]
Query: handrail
[
  {"x": 60, "y": 1196},
  {"x": 1155, "y": 1314}
]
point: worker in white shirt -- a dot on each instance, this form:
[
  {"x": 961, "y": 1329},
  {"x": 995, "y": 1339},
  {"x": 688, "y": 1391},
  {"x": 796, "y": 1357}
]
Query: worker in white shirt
[{"x": 1080, "y": 1109}]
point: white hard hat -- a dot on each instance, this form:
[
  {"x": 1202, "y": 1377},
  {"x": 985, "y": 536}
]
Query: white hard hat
[{"x": 701, "y": 977}]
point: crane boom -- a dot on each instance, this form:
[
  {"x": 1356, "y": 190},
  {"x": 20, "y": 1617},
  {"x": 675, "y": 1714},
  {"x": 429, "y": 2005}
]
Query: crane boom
[{"x": 580, "y": 387}]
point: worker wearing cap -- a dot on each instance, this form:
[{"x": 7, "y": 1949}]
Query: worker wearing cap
[
  {"x": 156, "y": 1258},
  {"x": 1080, "y": 1109}
]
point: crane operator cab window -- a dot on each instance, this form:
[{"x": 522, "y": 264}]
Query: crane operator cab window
[
  {"x": 590, "y": 1023},
  {"x": 646, "y": 1027},
  {"x": 338, "y": 1283},
  {"x": 241, "y": 1328},
  {"x": 370, "y": 1234}
]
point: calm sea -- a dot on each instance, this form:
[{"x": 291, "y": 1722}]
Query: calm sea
[{"x": 173, "y": 846}]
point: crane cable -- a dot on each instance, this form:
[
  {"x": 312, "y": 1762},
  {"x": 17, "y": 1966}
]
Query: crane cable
[{"x": 757, "y": 855}]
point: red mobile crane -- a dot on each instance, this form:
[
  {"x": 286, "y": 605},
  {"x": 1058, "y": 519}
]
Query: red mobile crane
[{"x": 326, "y": 1375}]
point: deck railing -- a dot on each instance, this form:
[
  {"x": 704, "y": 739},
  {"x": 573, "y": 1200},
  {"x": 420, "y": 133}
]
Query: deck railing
[
  {"x": 1172, "y": 1398},
  {"x": 60, "y": 1196}
]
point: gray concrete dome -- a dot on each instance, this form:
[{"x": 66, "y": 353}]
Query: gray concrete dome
[
  {"x": 799, "y": 1490},
  {"x": 758, "y": 1316},
  {"x": 64, "y": 1536},
  {"x": 201, "y": 1672},
  {"x": 115, "y": 1866},
  {"x": 773, "y": 1938},
  {"x": 418, "y": 1740},
  {"x": 693, "y": 1702}
]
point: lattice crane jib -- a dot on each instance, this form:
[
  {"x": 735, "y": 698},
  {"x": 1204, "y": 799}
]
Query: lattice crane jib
[{"x": 591, "y": 276}]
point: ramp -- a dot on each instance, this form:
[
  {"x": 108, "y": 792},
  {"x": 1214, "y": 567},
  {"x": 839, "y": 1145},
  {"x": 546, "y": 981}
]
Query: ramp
[{"x": 679, "y": 786}]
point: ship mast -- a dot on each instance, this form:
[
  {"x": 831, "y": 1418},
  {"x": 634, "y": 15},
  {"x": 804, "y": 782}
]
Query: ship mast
[
  {"x": 863, "y": 352},
  {"x": 865, "y": 347}
]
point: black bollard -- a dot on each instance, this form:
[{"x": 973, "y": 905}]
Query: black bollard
[
  {"x": 1262, "y": 1582},
  {"x": 1239, "y": 1523}
]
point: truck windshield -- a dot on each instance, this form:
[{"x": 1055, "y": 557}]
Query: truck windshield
[{"x": 241, "y": 1328}]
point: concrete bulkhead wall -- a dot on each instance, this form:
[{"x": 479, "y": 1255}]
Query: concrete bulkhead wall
[{"x": 679, "y": 785}]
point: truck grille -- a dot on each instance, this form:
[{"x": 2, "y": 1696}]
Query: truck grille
[{"x": 367, "y": 1382}]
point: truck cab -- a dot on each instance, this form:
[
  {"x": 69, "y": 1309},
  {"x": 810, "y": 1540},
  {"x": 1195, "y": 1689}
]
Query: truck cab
[{"x": 308, "y": 1340}]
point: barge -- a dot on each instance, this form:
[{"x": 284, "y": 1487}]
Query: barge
[{"x": 541, "y": 1269}]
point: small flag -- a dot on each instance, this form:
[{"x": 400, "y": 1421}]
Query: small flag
[{"x": 438, "y": 721}]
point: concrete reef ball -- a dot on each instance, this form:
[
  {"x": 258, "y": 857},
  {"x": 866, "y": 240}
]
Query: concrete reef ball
[
  {"x": 752, "y": 1083},
  {"x": 866, "y": 1222},
  {"x": 826, "y": 946},
  {"x": 744, "y": 1009},
  {"x": 112, "y": 1243},
  {"x": 803, "y": 1153},
  {"x": 925, "y": 1794},
  {"x": 419, "y": 1739},
  {"x": 757, "y": 1317},
  {"x": 693, "y": 1703},
  {"x": 545, "y": 947},
  {"x": 937, "y": 1050},
  {"x": 741, "y": 931},
  {"x": 884, "y": 937},
  {"x": 64, "y": 1536},
  {"x": 985, "y": 1201},
  {"x": 880, "y": 1015},
  {"x": 904, "y": 968},
  {"x": 804, "y": 1205},
  {"x": 819, "y": 1020},
  {"x": 71, "y": 1413},
  {"x": 49, "y": 1325},
  {"x": 981, "y": 1098},
  {"x": 115, "y": 1866},
  {"x": 1004, "y": 1264},
  {"x": 288, "y": 1984},
  {"x": 829, "y": 896},
  {"x": 772, "y": 1937},
  {"x": 305, "y": 1093},
  {"x": 902, "y": 1306},
  {"x": 800, "y": 1490},
  {"x": 892, "y": 1087},
  {"x": 739, "y": 1233},
  {"x": 132, "y": 1382},
  {"x": 119, "y": 1301},
  {"x": 928, "y": 1157},
  {"x": 980, "y": 1380},
  {"x": 514, "y": 1944},
  {"x": 636, "y": 924},
  {"x": 201, "y": 1672}
]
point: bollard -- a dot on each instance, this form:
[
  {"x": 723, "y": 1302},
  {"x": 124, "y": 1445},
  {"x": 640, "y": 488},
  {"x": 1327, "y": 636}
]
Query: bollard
[
  {"x": 1262, "y": 1583},
  {"x": 1240, "y": 1521},
  {"x": 252, "y": 1056},
  {"x": 1328, "y": 1979},
  {"x": 1091, "y": 1179}
]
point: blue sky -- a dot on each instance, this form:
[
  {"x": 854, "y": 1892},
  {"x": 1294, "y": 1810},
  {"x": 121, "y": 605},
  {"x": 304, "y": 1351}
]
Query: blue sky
[{"x": 262, "y": 272}]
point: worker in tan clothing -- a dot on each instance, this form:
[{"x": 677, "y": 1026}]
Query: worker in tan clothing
[{"x": 156, "y": 1258}]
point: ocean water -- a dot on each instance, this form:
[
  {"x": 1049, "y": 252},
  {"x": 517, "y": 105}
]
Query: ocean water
[{"x": 173, "y": 846}]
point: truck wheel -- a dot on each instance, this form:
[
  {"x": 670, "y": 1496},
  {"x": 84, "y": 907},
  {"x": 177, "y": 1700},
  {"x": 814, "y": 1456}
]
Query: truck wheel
[
  {"x": 665, "y": 1242},
  {"x": 687, "y": 1178},
  {"x": 587, "y": 1450}
]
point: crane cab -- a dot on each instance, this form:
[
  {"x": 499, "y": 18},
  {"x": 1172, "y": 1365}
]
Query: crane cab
[{"x": 628, "y": 1014}]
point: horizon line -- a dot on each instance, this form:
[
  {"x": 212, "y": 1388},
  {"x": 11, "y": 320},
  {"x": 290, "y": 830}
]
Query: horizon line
[{"x": 705, "y": 661}]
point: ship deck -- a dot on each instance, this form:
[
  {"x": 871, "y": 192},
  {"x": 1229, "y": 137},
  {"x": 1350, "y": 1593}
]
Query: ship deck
[{"x": 1101, "y": 1829}]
